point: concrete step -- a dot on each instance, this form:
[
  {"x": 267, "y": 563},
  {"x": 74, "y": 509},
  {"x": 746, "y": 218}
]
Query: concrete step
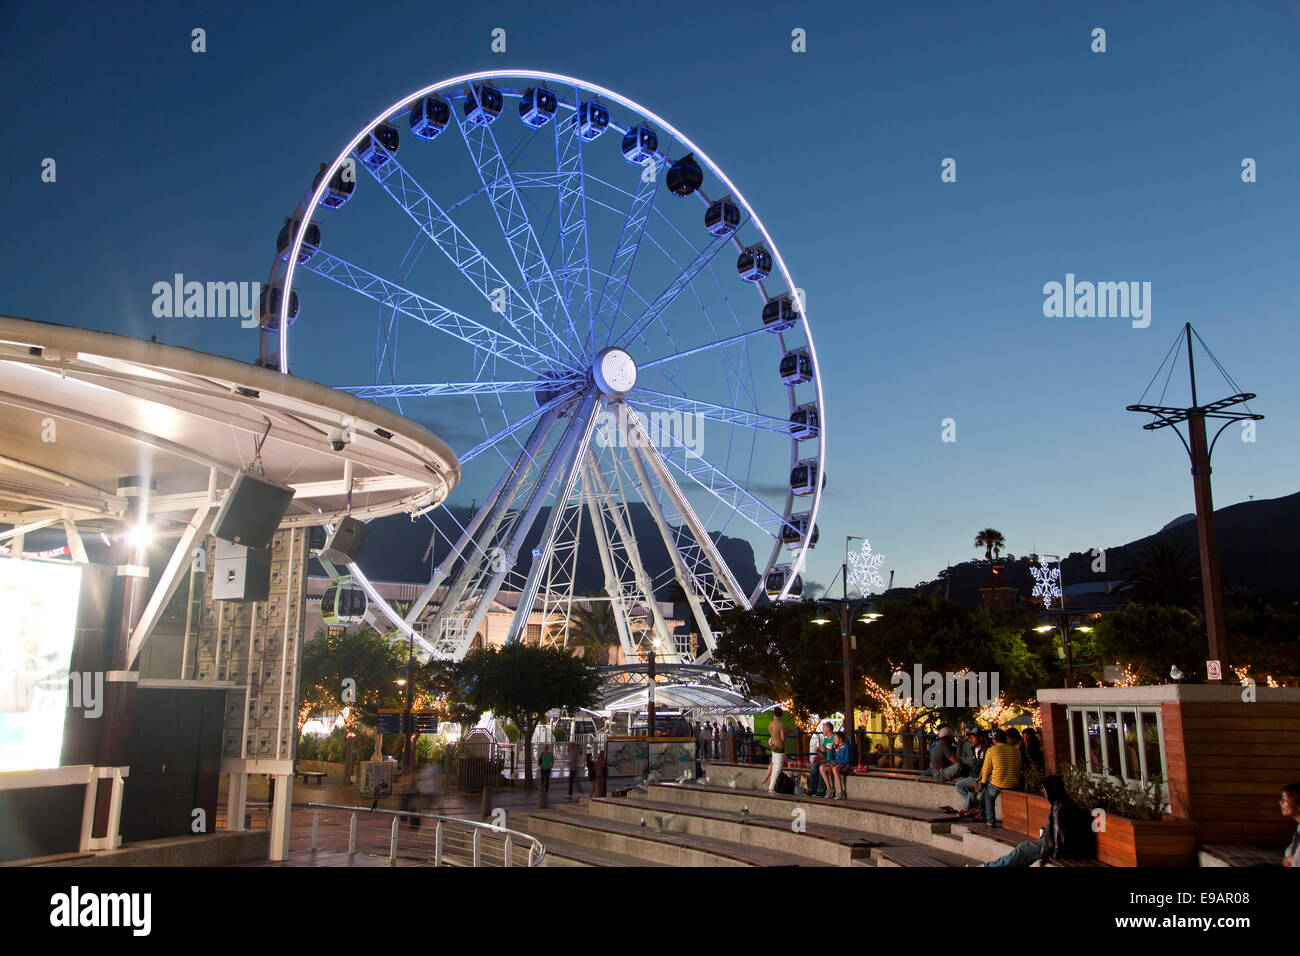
[
  {"x": 668, "y": 849},
  {"x": 566, "y": 853},
  {"x": 978, "y": 842},
  {"x": 910, "y": 824},
  {"x": 821, "y": 844},
  {"x": 894, "y": 788},
  {"x": 916, "y": 856}
]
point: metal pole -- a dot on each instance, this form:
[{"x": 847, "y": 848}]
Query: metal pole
[
  {"x": 392, "y": 842},
  {"x": 437, "y": 844},
  {"x": 1207, "y": 539},
  {"x": 510, "y": 847},
  {"x": 486, "y": 810},
  {"x": 845, "y": 634},
  {"x": 315, "y": 827},
  {"x": 478, "y": 846},
  {"x": 352, "y": 835}
]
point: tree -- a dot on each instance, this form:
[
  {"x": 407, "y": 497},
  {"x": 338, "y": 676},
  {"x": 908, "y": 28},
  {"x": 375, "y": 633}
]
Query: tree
[
  {"x": 1166, "y": 574},
  {"x": 593, "y": 627},
  {"x": 1149, "y": 639},
  {"x": 991, "y": 540},
  {"x": 522, "y": 682},
  {"x": 370, "y": 664}
]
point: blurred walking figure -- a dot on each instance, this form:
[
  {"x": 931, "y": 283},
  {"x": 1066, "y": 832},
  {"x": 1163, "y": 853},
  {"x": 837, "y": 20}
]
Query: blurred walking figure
[{"x": 575, "y": 766}]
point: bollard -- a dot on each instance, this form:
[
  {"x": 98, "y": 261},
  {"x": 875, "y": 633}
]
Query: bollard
[
  {"x": 352, "y": 835},
  {"x": 486, "y": 810},
  {"x": 392, "y": 844},
  {"x": 478, "y": 846},
  {"x": 315, "y": 828},
  {"x": 437, "y": 844},
  {"x": 510, "y": 848}
]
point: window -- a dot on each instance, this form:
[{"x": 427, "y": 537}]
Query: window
[
  {"x": 1124, "y": 742},
  {"x": 534, "y": 634}
]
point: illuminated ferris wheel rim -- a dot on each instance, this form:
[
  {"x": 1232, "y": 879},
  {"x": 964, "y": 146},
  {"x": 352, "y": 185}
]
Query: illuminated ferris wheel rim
[{"x": 401, "y": 105}]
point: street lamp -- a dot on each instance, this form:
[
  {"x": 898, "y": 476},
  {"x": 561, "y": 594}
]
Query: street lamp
[{"x": 828, "y": 609}]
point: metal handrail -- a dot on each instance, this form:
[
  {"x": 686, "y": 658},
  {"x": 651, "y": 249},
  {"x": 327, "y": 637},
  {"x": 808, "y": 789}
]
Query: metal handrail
[{"x": 512, "y": 840}]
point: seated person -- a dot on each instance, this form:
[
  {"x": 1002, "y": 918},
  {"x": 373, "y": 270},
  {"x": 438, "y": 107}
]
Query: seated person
[
  {"x": 944, "y": 764},
  {"x": 836, "y": 766},
  {"x": 1067, "y": 836},
  {"x": 818, "y": 751}
]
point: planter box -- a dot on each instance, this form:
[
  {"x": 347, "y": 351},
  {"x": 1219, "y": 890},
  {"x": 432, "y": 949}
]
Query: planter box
[
  {"x": 1023, "y": 812},
  {"x": 1166, "y": 842}
]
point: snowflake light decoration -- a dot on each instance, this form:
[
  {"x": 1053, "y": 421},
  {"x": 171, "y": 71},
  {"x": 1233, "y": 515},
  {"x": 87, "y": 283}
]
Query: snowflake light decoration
[
  {"x": 864, "y": 569},
  {"x": 1047, "y": 583}
]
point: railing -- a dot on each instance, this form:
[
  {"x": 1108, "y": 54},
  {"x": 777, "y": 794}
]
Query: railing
[{"x": 440, "y": 840}]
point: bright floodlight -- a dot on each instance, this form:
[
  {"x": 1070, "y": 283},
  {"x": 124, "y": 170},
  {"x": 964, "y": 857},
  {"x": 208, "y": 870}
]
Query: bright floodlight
[{"x": 1044, "y": 628}]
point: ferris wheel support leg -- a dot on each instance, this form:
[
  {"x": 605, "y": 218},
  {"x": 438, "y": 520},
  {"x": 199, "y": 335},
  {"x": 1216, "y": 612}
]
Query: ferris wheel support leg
[
  {"x": 572, "y": 448},
  {"x": 612, "y": 585},
  {"x": 542, "y": 553},
  {"x": 684, "y": 578},
  {"x": 448, "y": 562},
  {"x": 488, "y": 521},
  {"x": 611, "y": 506},
  {"x": 660, "y": 467}
]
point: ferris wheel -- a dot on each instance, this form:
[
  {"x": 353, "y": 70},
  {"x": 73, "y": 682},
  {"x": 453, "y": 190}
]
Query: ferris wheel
[{"x": 575, "y": 297}]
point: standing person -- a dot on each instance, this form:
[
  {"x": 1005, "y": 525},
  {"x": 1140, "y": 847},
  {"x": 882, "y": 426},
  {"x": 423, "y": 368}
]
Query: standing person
[
  {"x": 1290, "y": 804},
  {"x": 602, "y": 771},
  {"x": 776, "y": 741},
  {"x": 701, "y": 747},
  {"x": 575, "y": 767},
  {"x": 546, "y": 762},
  {"x": 591, "y": 773},
  {"x": 818, "y": 750},
  {"x": 1001, "y": 771}
]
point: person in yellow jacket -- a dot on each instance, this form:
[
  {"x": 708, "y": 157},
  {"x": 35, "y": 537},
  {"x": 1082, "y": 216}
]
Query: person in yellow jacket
[{"x": 1001, "y": 772}]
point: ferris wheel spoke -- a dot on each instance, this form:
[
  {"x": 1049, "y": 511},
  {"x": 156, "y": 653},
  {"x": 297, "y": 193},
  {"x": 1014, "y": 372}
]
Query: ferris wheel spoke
[
  {"x": 431, "y": 390},
  {"x": 718, "y": 344},
  {"x": 455, "y": 244},
  {"x": 724, "y": 414},
  {"x": 425, "y": 310},
  {"x": 575, "y": 255},
  {"x": 712, "y": 480},
  {"x": 514, "y": 427},
  {"x": 610, "y": 300},
  {"x": 673, "y": 290},
  {"x": 539, "y": 281}
]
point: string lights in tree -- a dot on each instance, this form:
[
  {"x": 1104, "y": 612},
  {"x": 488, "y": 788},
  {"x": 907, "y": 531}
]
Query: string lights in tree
[{"x": 898, "y": 712}]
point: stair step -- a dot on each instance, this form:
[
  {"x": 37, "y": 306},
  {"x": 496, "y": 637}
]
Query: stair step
[
  {"x": 630, "y": 839},
  {"x": 568, "y": 853}
]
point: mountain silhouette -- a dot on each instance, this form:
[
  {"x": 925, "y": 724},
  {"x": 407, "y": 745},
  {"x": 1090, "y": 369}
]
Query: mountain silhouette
[
  {"x": 397, "y": 549},
  {"x": 1258, "y": 549}
]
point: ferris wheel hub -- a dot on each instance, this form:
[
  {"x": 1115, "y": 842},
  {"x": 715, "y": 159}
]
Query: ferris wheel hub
[{"x": 614, "y": 372}]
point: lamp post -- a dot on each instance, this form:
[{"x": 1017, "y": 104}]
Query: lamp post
[{"x": 846, "y": 610}]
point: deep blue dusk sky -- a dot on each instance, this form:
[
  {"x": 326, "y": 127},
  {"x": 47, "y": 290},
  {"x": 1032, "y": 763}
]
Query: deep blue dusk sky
[{"x": 925, "y": 297}]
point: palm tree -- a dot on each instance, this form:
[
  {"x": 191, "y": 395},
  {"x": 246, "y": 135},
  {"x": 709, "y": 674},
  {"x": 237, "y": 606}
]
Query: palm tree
[
  {"x": 593, "y": 626},
  {"x": 991, "y": 540},
  {"x": 1165, "y": 573}
]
